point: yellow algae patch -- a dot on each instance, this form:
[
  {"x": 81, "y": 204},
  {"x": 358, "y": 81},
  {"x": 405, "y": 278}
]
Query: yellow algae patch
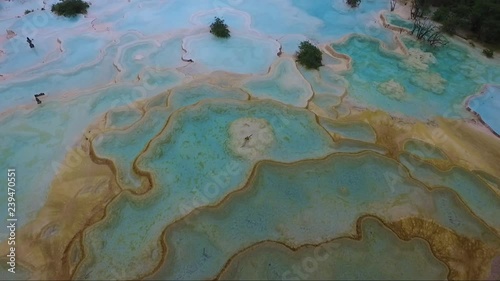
[
  {"x": 467, "y": 259},
  {"x": 250, "y": 137},
  {"x": 458, "y": 139},
  {"x": 493, "y": 182},
  {"x": 321, "y": 111},
  {"x": 392, "y": 89},
  {"x": 77, "y": 199}
]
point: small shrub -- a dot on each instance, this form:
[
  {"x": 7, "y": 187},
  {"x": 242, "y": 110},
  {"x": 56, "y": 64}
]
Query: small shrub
[
  {"x": 353, "y": 3},
  {"x": 219, "y": 28},
  {"x": 70, "y": 8},
  {"x": 28, "y": 11},
  {"x": 488, "y": 53},
  {"x": 309, "y": 55}
]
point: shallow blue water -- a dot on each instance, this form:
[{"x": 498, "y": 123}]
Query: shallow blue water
[
  {"x": 284, "y": 84},
  {"x": 463, "y": 74},
  {"x": 478, "y": 196},
  {"x": 337, "y": 19},
  {"x": 487, "y": 105},
  {"x": 424, "y": 150},
  {"x": 139, "y": 40},
  {"x": 37, "y": 141},
  {"x": 304, "y": 203},
  {"x": 396, "y": 20},
  {"x": 343, "y": 259},
  {"x": 192, "y": 165},
  {"x": 238, "y": 54}
]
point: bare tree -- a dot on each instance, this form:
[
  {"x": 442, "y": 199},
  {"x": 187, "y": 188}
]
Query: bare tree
[
  {"x": 437, "y": 39},
  {"x": 417, "y": 8},
  {"x": 425, "y": 29}
]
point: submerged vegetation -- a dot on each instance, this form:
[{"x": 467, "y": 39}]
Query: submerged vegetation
[
  {"x": 219, "y": 28},
  {"x": 70, "y": 8},
  {"x": 309, "y": 55}
]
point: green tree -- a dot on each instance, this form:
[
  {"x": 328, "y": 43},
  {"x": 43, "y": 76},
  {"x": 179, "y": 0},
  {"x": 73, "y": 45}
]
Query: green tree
[
  {"x": 353, "y": 3},
  {"x": 419, "y": 8},
  {"x": 488, "y": 53},
  {"x": 479, "y": 17},
  {"x": 70, "y": 8},
  {"x": 309, "y": 55},
  {"x": 219, "y": 28},
  {"x": 441, "y": 14},
  {"x": 450, "y": 24}
]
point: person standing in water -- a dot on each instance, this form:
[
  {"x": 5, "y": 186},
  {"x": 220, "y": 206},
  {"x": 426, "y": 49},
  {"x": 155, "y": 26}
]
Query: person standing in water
[
  {"x": 30, "y": 42},
  {"x": 38, "y": 101}
]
